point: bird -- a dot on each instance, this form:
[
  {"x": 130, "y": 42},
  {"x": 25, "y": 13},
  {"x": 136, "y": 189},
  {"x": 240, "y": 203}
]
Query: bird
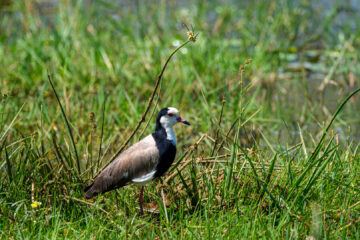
[{"x": 144, "y": 161}]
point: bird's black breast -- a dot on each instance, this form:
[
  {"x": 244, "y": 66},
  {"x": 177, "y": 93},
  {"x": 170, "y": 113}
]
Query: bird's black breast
[{"x": 167, "y": 155}]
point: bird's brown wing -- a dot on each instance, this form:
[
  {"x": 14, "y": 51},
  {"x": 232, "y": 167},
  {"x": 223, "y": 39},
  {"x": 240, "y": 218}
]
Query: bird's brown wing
[{"x": 137, "y": 161}]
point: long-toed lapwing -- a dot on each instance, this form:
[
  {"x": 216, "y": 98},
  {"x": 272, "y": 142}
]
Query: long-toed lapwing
[{"x": 144, "y": 161}]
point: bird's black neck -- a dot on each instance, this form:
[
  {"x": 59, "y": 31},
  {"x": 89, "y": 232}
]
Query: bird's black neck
[
  {"x": 166, "y": 148},
  {"x": 160, "y": 131},
  {"x": 159, "y": 127}
]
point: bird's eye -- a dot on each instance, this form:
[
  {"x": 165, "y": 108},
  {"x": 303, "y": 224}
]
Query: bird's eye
[{"x": 170, "y": 114}]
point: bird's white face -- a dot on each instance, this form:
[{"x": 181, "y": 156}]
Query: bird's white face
[{"x": 171, "y": 118}]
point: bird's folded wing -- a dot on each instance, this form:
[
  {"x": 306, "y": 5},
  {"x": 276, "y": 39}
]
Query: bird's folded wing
[{"x": 136, "y": 162}]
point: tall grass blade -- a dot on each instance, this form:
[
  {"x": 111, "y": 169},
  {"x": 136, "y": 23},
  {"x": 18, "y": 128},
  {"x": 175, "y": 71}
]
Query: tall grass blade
[
  {"x": 218, "y": 127},
  {"x": 317, "y": 173},
  {"x": 102, "y": 132},
  {"x": 187, "y": 188},
  {"x": 164, "y": 206},
  {"x": 67, "y": 124},
  {"x": 59, "y": 156},
  {"x": 8, "y": 164},
  {"x": 267, "y": 142},
  {"x": 302, "y": 142},
  {"x": 268, "y": 175},
  {"x": 195, "y": 198},
  {"x": 11, "y": 124},
  {"x": 231, "y": 166}
]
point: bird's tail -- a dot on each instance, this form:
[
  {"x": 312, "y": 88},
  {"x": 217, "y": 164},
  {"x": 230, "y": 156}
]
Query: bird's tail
[{"x": 89, "y": 191}]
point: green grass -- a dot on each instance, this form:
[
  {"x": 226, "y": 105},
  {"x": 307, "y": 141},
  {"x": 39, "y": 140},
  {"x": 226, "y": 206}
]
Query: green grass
[{"x": 263, "y": 163}]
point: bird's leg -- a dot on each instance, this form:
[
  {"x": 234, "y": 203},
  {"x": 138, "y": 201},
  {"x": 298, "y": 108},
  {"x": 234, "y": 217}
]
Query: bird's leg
[{"x": 141, "y": 201}]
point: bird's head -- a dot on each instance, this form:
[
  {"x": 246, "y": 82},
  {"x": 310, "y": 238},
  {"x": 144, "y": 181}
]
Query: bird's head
[{"x": 169, "y": 116}]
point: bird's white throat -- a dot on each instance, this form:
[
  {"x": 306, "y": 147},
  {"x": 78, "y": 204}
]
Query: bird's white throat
[{"x": 171, "y": 135}]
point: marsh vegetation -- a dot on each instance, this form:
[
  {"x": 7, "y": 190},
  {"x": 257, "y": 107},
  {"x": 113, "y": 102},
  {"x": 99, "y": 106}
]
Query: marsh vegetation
[{"x": 273, "y": 149}]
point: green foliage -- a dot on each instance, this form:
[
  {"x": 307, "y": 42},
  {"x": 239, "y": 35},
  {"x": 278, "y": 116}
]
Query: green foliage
[{"x": 268, "y": 86}]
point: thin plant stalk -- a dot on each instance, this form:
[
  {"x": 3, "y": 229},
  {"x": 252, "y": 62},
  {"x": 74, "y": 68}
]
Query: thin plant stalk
[
  {"x": 102, "y": 131},
  {"x": 67, "y": 124},
  {"x": 142, "y": 119}
]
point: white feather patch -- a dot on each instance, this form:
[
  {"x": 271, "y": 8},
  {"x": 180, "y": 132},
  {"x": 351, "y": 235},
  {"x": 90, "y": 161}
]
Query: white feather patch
[
  {"x": 144, "y": 179},
  {"x": 171, "y": 135}
]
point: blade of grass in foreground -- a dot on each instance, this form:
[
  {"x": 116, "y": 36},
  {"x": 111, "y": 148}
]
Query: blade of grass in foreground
[
  {"x": 102, "y": 132},
  {"x": 232, "y": 160},
  {"x": 188, "y": 190},
  {"x": 195, "y": 190},
  {"x": 317, "y": 173},
  {"x": 8, "y": 164},
  {"x": 3, "y": 146},
  {"x": 11, "y": 124},
  {"x": 268, "y": 175},
  {"x": 67, "y": 124}
]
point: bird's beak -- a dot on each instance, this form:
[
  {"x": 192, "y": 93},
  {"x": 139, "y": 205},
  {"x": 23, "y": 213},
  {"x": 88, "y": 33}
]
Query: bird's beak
[{"x": 179, "y": 119}]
